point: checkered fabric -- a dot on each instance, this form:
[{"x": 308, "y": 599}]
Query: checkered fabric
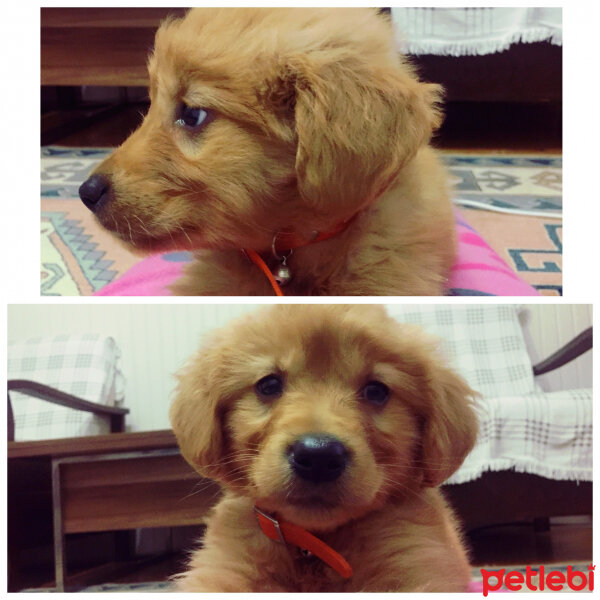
[
  {"x": 521, "y": 427},
  {"x": 82, "y": 365},
  {"x": 484, "y": 343},
  {"x": 545, "y": 433}
]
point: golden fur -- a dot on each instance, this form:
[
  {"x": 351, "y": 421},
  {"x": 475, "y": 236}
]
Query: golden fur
[
  {"x": 385, "y": 514},
  {"x": 314, "y": 118}
]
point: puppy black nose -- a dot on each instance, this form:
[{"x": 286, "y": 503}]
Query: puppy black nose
[
  {"x": 95, "y": 191},
  {"x": 318, "y": 458}
]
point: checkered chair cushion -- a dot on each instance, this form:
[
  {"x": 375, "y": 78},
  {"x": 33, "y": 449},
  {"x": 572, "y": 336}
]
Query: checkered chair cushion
[
  {"x": 82, "y": 365},
  {"x": 521, "y": 427},
  {"x": 544, "y": 433},
  {"x": 484, "y": 343}
]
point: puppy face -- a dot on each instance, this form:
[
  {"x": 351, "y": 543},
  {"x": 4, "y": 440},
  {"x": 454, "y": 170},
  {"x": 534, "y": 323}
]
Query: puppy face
[
  {"x": 263, "y": 120},
  {"x": 321, "y": 413}
]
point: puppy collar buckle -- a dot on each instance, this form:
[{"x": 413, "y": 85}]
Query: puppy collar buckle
[
  {"x": 288, "y": 533},
  {"x": 260, "y": 514}
]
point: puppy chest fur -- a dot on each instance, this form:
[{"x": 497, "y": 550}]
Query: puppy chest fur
[
  {"x": 340, "y": 421},
  {"x": 389, "y": 550}
]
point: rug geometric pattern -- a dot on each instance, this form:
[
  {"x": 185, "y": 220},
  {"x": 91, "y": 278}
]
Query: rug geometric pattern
[
  {"x": 518, "y": 183},
  {"x": 60, "y": 233},
  {"x": 78, "y": 257}
]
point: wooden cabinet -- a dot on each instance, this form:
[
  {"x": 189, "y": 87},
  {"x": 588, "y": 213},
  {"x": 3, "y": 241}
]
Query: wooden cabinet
[
  {"x": 98, "y": 46},
  {"x": 112, "y": 482}
]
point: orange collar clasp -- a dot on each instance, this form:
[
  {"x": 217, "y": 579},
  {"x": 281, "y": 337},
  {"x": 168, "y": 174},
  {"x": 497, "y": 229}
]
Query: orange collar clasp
[{"x": 288, "y": 533}]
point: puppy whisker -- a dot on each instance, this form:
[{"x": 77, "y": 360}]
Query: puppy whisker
[
  {"x": 431, "y": 466},
  {"x": 200, "y": 490},
  {"x": 181, "y": 228},
  {"x": 142, "y": 225},
  {"x": 402, "y": 487},
  {"x": 130, "y": 233}
]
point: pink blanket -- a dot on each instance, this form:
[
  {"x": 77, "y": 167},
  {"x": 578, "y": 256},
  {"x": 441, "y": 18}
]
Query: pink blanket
[{"x": 478, "y": 271}]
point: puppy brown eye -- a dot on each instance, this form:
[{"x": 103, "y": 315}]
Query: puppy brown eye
[
  {"x": 269, "y": 387},
  {"x": 192, "y": 117},
  {"x": 376, "y": 393}
]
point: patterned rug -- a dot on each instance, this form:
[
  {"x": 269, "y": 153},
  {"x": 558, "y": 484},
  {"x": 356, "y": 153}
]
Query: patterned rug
[
  {"x": 511, "y": 200},
  {"x": 521, "y": 198}
]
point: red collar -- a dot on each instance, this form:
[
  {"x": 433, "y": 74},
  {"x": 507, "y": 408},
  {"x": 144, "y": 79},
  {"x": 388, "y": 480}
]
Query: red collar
[
  {"x": 286, "y": 242},
  {"x": 288, "y": 533}
]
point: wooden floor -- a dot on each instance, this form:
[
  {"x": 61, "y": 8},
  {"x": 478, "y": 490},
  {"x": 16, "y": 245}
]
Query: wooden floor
[
  {"x": 520, "y": 544},
  {"x": 468, "y": 127}
]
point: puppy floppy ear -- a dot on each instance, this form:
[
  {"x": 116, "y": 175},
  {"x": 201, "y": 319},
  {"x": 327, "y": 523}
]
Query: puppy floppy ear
[
  {"x": 450, "y": 428},
  {"x": 357, "y": 123},
  {"x": 196, "y": 415}
]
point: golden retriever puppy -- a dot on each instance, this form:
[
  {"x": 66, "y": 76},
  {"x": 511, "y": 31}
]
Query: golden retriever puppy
[
  {"x": 338, "y": 424},
  {"x": 296, "y": 135}
]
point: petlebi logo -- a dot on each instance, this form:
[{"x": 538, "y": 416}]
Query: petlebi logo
[{"x": 539, "y": 579}]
